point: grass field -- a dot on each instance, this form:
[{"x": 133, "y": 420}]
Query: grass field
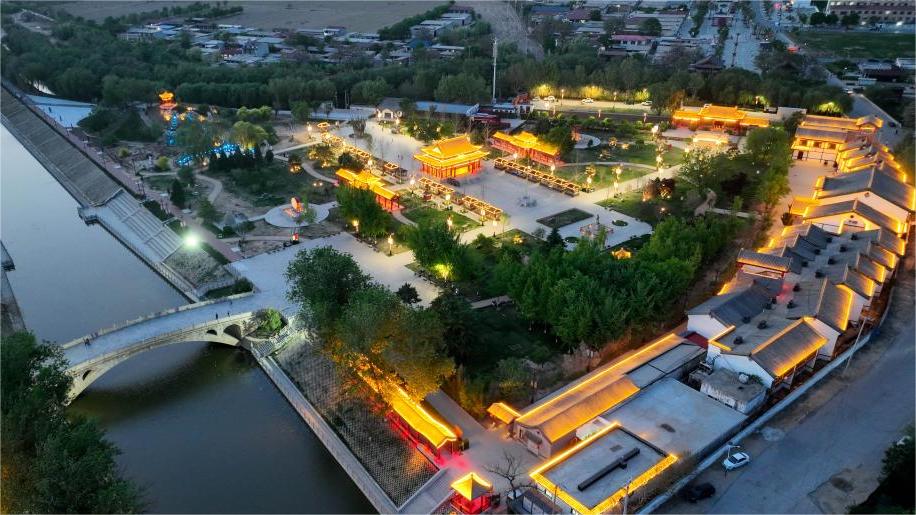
[
  {"x": 432, "y": 215},
  {"x": 858, "y": 44},
  {"x": 362, "y": 16},
  {"x": 604, "y": 175},
  {"x": 564, "y": 218}
]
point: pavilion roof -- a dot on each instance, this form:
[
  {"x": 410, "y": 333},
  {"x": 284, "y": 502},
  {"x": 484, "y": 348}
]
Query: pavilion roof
[
  {"x": 527, "y": 140},
  {"x": 471, "y": 486}
]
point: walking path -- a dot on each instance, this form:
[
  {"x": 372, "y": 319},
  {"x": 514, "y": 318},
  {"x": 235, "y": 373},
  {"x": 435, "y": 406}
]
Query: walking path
[
  {"x": 399, "y": 216},
  {"x": 216, "y": 185},
  {"x": 495, "y": 301}
]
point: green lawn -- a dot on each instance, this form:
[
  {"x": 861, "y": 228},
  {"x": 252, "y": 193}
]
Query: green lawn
[
  {"x": 855, "y": 44},
  {"x": 564, "y": 218},
  {"x": 604, "y": 175},
  {"x": 651, "y": 211},
  {"x": 643, "y": 154},
  {"x": 430, "y": 214}
]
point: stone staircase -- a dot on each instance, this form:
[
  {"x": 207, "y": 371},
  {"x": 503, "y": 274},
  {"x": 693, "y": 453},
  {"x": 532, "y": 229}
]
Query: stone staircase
[{"x": 151, "y": 232}]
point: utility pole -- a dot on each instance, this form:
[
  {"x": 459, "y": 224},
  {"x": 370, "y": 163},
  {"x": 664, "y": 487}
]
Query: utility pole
[
  {"x": 855, "y": 345},
  {"x": 495, "y": 50},
  {"x": 626, "y": 496}
]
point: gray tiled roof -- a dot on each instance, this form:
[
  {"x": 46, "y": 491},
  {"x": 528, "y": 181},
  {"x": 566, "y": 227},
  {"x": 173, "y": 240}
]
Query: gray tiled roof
[
  {"x": 773, "y": 262},
  {"x": 788, "y": 348},
  {"x": 877, "y": 182},
  {"x": 856, "y": 282},
  {"x": 731, "y": 308},
  {"x": 886, "y": 239},
  {"x": 852, "y": 206},
  {"x": 869, "y": 268}
]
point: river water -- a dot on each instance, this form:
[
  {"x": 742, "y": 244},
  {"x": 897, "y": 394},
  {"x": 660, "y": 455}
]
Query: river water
[{"x": 200, "y": 426}]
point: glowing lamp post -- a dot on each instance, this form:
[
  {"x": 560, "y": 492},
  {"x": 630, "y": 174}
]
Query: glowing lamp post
[
  {"x": 494, "y": 227},
  {"x": 449, "y": 222},
  {"x": 448, "y": 199},
  {"x": 658, "y": 161},
  {"x": 356, "y": 225},
  {"x": 553, "y": 168},
  {"x": 308, "y": 129},
  {"x": 588, "y": 182},
  {"x": 482, "y": 215},
  {"x": 390, "y": 243},
  {"x": 191, "y": 240}
]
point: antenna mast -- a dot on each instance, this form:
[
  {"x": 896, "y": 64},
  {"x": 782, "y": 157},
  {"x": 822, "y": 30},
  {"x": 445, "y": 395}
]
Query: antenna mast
[{"x": 495, "y": 50}]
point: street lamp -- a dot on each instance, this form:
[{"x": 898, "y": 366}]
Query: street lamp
[
  {"x": 390, "y": 243},
  {"x": 191, "y": 240},
  {"x": 553, "y": 168},
  {"x": 562, "y": 95},
  {"x": 356, "y": 225},
  {"x": 448, "y": 221},
  {"x": 588, "y": 182},
  {"x": 448, "y": 197},
  {"x": 494, "y": 227}
]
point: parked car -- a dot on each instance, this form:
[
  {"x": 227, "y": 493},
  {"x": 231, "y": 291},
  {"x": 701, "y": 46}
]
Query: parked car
[
  {"x": 694, "y": 493},
  {"x": 736, "y": 460},
  {"x": 587, "y": 101},
  {"x": 551, "y": 98},
  {"x": 647, "y": 103}
]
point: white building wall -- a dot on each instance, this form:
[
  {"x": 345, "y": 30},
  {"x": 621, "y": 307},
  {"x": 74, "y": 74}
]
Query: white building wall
[
  {"x": 743, "y": 365},
  {"x": 827, "y": 332},
  {"x": 704, "y": 325},
  {"x": 872, "y": 200}
]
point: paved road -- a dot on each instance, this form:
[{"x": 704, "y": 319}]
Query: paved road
[{"x": 825, "y": 452}]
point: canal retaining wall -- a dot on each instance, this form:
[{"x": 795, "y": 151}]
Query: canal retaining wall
[{"x": 328, "y": 437}]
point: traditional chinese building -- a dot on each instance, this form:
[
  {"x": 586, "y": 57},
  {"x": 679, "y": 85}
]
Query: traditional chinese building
[
  {"x": 386, "y": 198},
  {"x": 849, "y": 144},
  {"x": 167, "y": 100},
  {"x": 471, "y": 494},
  {"x": 718, "y": 118},
  {"x": 452, "y": 157},
  {"x": 527, "y": 145}
]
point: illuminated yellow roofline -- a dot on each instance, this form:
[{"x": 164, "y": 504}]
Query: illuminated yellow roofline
[
  {"x": 594, "y": 378},
  {"x": 465, "y": 485},
  {"x": 795, "y": 360},
  {"x": 613, "y": 499}
]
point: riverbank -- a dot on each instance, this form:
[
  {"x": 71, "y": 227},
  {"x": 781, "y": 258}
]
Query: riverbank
[
  {"x": 328, "y": 437},
  {"x": 102, "y": 199}
]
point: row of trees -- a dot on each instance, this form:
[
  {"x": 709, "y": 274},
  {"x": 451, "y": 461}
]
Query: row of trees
[
  {"x": 53, "y": 461},
  {"x": 761, "y": 173},
  {"x": 365, "y": 328},
  {"x": 588, "y": 297},
  {"x": 93, "y": 64}
]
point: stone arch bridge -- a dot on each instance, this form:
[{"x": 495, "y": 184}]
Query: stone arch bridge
[{"x": 223, "y": 322}]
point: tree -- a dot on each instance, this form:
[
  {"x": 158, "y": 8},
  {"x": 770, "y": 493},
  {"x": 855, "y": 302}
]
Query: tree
[
  {"x": 248, "y": 135},
  {"x": 560, "y": 136},
  {"x": 360, "y": 205},
  {"x": 176, "y": 194},
  {"x": 650, "y": 27},
  {"x": 196, "y": 138},
  {"x": 817, "y": 18},
  {"x": 554, "y": 240},
  {"x": 463, "y": 87},
  {"x": 207, "y": 212},
  {"x": 186, "y": 175},
  {"x": 408, "y": 294},
  {"x": 510, "y": 469},
  {"x": 322, "y": 281},
  {"x": 831, "y": 19},
  {"x": 769, "y": 147},
  {"x": 53, "y": 462},
  {"x": 698, "y": 171},
  {"x": 458, "y": 321},
  {"x": 302, "y": 111},
  {"x": 437, "y": 248},
  {"x": 849, "y": 19}
]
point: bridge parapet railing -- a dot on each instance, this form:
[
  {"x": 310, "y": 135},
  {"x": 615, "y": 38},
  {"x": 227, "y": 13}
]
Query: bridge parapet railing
[
  {"x": 157, "y": 314},
  {"x": 155, "y": 340}
]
